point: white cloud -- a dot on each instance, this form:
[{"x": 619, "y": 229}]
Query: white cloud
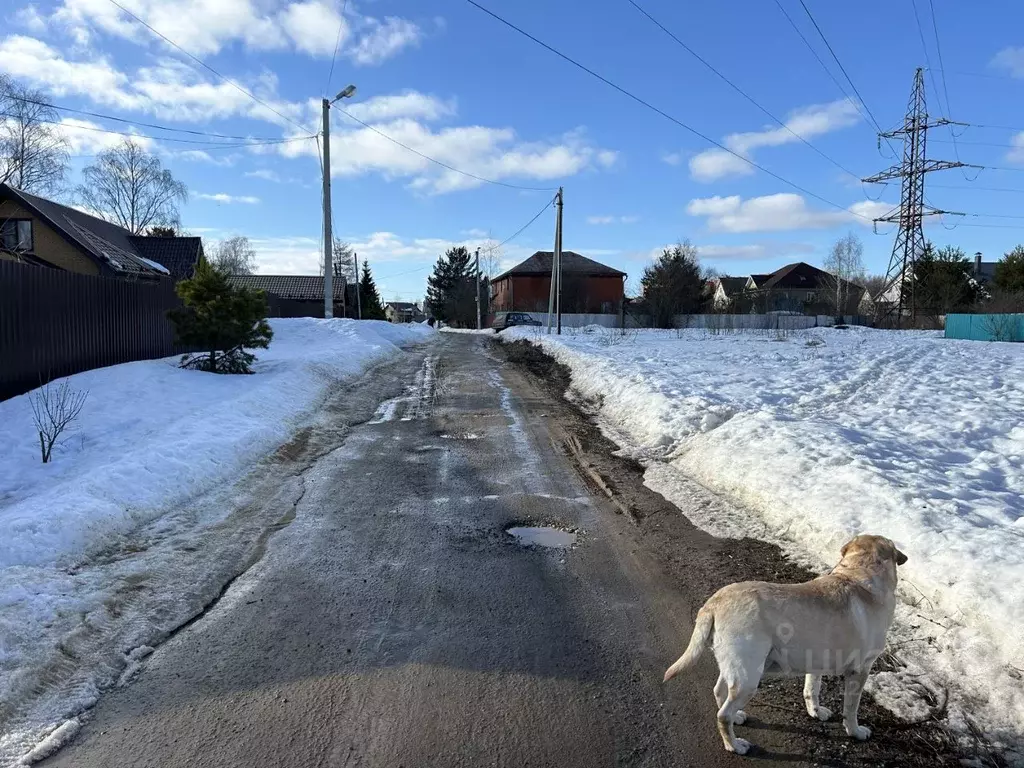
[
  {"x": 1016, "y": 154},
  {"x": 264, "y": 173},
  {"x": 30, "y": 18},
  {"x": 807, "y": 122},
  {"x": 612, "y": 219},
  {"x": 752, "y": 252},
  {"x": 385, "y": 39},
  {"x": 314, "y": 27},
  {"x": 672, "y": 158},
  {"x": 87, "y": 138},
  {"x": 202, "y": 156},
  {"x": 410, "y": 104},
  {"x": 1010, "y": 59},
  {"x": 783, "y": 211},
  {"x": 221, "y": 197}
]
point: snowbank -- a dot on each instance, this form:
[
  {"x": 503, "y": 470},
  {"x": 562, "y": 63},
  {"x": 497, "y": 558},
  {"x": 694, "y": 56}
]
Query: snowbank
[
  {"x": 152, "y": 435},
  {"x": 827, "y": 433}
]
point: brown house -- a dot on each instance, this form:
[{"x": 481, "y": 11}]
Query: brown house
[
  {"x": 588, "y": 287},
  {"x": 299, "y": 295},
  {"x": 802, "y": 288},
  {"x": 34, "y": 230}
]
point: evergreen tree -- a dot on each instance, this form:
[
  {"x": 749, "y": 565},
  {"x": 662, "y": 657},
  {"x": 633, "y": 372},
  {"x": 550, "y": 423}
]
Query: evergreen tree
[
  {"x": 220, "y": 320},
  {"x": 1010, "y": 271},
  {"x": 451, "y": 289},
  {"x": 673, "y": 284},
  {"x": 369, "y": 297},
  {"x": 943, "y": 281}
]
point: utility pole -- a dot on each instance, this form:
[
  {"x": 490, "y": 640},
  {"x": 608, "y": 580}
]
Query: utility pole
[
  {"x": 909, "y": 244},
  {"x": 359, "y": 302},
  {"x": 478, "y": 326},
  {"x": 558, "y": 258},
  {"x": 555, "y": 294},
  {"x": 328, "y": 235},
  {"x": 326, "y": 172}
]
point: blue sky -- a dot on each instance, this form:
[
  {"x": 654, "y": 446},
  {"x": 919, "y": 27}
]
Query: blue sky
[{"x": 453, "y": 83}]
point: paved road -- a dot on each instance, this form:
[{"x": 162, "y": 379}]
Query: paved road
[{"x": 394, "y": 623}]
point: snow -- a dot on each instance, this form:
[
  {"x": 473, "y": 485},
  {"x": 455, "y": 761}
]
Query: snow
[
  {"x": 809, "y": 437},
  {"x": 155, "y": 455},
  {"x": 152, "y": 435}
]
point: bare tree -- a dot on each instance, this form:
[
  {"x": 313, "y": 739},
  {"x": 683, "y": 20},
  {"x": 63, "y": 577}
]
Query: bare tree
[
  {"x": 234, "y": 256},
  {"x": 128, "y": 186},
  {"x": 343, "y": 261},
  {"x": 845, "y": 265},
  {"x": 33, "y": 153},
  {"x": 53, "y": 409}
]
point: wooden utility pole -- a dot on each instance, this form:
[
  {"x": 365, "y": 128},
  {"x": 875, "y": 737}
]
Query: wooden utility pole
[
  {"x": 478, "y": 326},
  {"x": 359, "y": 302},
  {"x": 328, "y": 235}
]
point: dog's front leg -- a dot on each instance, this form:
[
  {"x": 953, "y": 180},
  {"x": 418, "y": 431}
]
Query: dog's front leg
[
  {"x": 812, "y": 690},
  {"x": 854, "y": 686}
]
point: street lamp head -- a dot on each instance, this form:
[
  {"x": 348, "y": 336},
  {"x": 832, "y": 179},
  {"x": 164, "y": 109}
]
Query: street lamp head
[{"x": 348, "y": 93}]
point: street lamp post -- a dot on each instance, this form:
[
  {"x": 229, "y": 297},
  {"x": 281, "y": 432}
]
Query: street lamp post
[{"x": 328, "y": 235}]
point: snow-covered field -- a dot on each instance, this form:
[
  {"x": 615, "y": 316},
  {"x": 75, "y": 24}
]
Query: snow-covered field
[
  {"x": 151, "y": 439},
  {"x": 821, "y": 434}
]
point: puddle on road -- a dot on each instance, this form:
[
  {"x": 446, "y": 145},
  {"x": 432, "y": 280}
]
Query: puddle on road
[{"x": 540, "y": 536}]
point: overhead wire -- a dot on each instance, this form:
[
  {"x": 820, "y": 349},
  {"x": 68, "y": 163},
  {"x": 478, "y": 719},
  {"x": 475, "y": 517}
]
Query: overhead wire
[
  {"x": 661, "y": 112},
  {"x": 845, "y": 74},
  {"x": 154, "y": 126},
  {"x": 207, "y": 67},
  {"x": 519, "y": 231},
  {"x": 337, "y": 45},
  {"x": 736, "y": 88}
]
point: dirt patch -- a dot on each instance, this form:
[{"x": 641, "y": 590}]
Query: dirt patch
[{"x": 698, "y": 564}]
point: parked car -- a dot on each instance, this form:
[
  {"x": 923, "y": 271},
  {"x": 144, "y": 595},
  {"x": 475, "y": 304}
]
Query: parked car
[{"x": 503, "y": 320}]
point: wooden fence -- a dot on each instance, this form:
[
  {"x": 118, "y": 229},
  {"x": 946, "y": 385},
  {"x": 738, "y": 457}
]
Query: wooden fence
[{"x": 55, "y": 323}]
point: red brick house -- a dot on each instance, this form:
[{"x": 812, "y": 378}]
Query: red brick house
[{"x": 588, "y": 287}]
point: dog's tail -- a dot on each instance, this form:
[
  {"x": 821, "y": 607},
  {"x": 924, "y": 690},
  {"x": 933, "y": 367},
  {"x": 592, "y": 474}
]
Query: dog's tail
[{"x": 698, "y": 641}]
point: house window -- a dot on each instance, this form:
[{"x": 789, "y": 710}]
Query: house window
[{"x": 16, "y": 234}]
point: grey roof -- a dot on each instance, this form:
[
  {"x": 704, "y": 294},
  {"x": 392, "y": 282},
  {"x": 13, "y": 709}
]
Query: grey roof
[
  {"x": 403, "y": 306},
  {"x": 107, "y": 243},
  {"x": 758, "y": 279},
  {"x": 800, "y": 275},
  {"x": 302, "y": 287},
  {"x": 180, "y": 255},
  {"x": 731, "y": 285},
  {"x": 987, "y": 273},
  {"x": 572, "y": 262}
]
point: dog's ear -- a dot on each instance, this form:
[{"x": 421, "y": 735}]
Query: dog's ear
[
  {"x": 900, "y": 557},
  {"x": 846, "y": 546}
]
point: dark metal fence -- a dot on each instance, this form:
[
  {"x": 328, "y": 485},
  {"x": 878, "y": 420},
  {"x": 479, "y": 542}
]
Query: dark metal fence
[{"x": 55, "y": 323}]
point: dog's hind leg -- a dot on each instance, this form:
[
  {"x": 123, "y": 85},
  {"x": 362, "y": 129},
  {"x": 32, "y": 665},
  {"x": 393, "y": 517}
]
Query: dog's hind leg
[
  {"x": 721, "y": 694},
  {"x": 742, "y": 680},
  {"x": 812, "y": 691},
  {"x": 854, "y": 686}
]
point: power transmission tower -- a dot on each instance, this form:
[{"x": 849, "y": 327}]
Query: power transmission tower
[{"x": 898, "y": 290}]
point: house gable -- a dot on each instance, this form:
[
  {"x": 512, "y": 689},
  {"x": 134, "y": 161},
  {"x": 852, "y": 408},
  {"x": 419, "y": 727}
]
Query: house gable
[{"x": 50, "y": 245}]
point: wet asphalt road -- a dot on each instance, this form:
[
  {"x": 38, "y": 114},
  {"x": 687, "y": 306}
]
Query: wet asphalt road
[{"x": 395, "y": 623}]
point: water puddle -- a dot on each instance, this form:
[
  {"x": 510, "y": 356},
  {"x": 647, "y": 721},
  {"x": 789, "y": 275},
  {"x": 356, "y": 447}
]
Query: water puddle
[{"x": 540, "y": 536}]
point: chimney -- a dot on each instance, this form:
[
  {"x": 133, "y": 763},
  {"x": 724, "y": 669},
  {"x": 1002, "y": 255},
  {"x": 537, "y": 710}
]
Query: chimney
[{"x": 977, "y": 263}]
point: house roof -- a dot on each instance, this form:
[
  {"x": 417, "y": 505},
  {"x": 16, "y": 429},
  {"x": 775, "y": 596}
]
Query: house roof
[
  {"x": 758, "y": 279},
  {"x": 403, "y": 306},
  {"x": 180, "y": 255},
  {"x": 107, "y": 243},
  {"x": 302, "y": 287},
  {"x": 572, "y": 263},
  {"x": 731, "y": 285},
  {"x": 799, "y": 275}
]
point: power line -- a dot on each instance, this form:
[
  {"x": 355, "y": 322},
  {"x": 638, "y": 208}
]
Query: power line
[
  {"x": 938, "y": 50},
  {"x": 520, "y": 230},
  {"x": 814, "y": 53},
  {"x": 845, "y": 73},
  {"x": 210, "y": 144},
  {"x": 979, "y": 143},
  {"x": 438, "y": 162},
  {"x": 206, "y": 66},
  {"x": 738, "y": 90},
  {"x": 337, "y": 45},
  {"x": 144, "y": 125},
  {"x": 661, "y": 112},
  {"x": 974, "y": 188}
]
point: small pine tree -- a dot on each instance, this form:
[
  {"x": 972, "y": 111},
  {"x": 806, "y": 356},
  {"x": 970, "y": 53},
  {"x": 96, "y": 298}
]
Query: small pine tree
[
  {"x": 1010, "y": 271},
  {"x": 220, "y": 320},
  {"x": 372, "y": 307}
]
